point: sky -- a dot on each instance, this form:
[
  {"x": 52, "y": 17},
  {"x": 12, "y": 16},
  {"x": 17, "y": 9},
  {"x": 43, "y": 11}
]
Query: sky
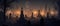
[{"x": 30, "y": 5}]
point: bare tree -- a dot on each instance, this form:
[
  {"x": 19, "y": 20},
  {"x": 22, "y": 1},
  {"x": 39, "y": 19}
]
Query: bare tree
[{"x": 6, "y": 4}]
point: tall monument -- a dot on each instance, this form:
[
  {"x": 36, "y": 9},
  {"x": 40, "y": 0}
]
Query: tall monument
[
  {"x": 38, "y": 13},
  {"x": 22, "y": 15},
  {"x": 22, "y": 20}
]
